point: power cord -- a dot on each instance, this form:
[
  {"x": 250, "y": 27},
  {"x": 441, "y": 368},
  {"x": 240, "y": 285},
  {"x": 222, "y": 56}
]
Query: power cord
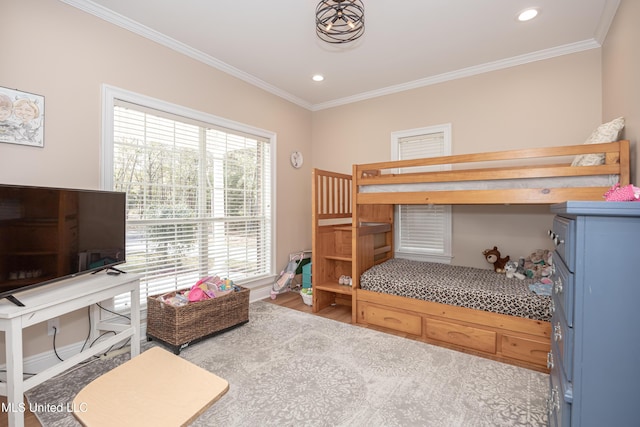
[
  {"x": 55, "y": 333},
  {"x": 117, "y": 314}
]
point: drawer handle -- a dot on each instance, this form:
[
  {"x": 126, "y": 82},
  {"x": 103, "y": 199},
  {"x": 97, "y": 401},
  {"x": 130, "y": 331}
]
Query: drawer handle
[
  {"x": 556, "y": 238},
  {"x": 552, "y": 307},
  {"x": 557, "y": 286},
  {"x": 553, "y": 402},
  {"x": 550, "y": 360},
  {"x": 557, "y": 332}
]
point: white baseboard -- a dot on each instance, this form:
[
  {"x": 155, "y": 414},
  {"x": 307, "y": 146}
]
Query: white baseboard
[
  {"x": 259, "y": 293},
  {"x": 40, "y": 362}
]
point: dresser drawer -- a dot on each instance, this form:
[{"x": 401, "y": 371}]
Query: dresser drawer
[
  {"x": 562, "y": 340},
  {"x": 563, "y": 289},
  {"x": 560, "y": 395},
  {"x": 563, "y": 236}
]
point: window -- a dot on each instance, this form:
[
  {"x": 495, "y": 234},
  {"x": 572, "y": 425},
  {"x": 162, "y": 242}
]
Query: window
[
  {"x": 199, "y": 197},
  {"x": 423, "y": 232}
]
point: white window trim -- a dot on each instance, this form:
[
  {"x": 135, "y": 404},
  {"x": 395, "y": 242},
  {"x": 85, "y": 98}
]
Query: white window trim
[
  {"x": 447, "y": 256},
  {"x": 109, "y": 96}
]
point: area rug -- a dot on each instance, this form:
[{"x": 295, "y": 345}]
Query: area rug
[{"x": 289, "y": 368}]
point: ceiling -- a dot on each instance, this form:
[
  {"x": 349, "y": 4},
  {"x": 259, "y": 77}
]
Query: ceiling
[{"x": 406, "y": 44}]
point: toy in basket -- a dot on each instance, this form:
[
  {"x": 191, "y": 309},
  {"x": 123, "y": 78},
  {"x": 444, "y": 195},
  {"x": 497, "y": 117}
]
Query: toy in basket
[
  {"x": 208, "y": 287},
  {"x": 284, "y": 280}
]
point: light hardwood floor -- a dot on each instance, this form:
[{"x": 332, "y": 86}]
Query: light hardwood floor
[{"x": 293, "y": 300}]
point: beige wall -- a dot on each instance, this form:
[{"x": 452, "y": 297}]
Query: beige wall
[
  {"x": 546, "y": 103},
  {"x": 64, "y": 54},
  {"x": 552, "y": 102},
  {"x": 621, "y": 76},
  {"x": 55, "y": 50}
]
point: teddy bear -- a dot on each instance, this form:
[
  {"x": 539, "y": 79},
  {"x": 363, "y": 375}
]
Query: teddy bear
[
  {"x": 493, "y": 257},
  {"x": 511, "y": 270}
]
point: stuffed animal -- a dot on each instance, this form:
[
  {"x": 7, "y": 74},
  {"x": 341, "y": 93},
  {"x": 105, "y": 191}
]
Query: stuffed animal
[
  {"x": 511, "y": 270},
  {"x": 628, "y": 193},
  {"x": 493, "y": 257},
  {"x": 539, "y": 264}
]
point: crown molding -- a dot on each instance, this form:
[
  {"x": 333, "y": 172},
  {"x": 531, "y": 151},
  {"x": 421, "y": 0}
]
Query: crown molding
[
  {"x": 609, "y": 12},
  {"x": 144, "y": 31},
  {"x": 137, "y": 28},
  {"x": 465, "y": 72}
]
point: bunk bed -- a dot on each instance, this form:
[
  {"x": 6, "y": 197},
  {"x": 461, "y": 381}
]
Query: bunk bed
[{"x": 353, "y": 232}]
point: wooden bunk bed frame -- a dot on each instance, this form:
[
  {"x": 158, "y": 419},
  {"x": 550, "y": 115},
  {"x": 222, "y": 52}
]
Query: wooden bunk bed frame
[{"x": 353, "y": 230}]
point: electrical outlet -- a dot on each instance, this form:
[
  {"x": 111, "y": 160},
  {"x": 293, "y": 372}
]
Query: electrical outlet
[{"x": 51, "y": 324}]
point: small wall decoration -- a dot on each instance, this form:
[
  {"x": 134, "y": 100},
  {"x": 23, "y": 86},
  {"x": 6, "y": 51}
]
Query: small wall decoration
[
  {"x": 21, "y": 118},
  {"x": 296, "y": 159}
]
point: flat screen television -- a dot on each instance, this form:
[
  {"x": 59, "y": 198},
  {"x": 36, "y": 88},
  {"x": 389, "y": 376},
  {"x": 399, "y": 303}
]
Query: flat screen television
[{"x": 49, "y": 234}]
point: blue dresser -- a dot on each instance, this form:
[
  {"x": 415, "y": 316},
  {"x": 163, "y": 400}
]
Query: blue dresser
[{"x": 595, "y": 343}]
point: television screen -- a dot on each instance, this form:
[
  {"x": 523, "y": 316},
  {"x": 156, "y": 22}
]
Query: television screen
[{"x": 47, "y": 234}]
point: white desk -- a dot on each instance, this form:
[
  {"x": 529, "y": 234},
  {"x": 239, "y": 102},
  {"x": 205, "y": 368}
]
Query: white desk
[{"x": 54, "y": 300}]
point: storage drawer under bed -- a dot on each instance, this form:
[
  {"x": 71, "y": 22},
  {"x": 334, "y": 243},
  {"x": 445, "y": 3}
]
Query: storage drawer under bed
[
  {"x": 398, "y": 321},
  {"x": 526, "y": 349},
  {"x": 462, "y": 335},
  {"x": 499, "y": 337}
]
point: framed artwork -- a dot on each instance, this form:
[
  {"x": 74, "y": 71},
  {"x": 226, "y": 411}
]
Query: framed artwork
[{"x": 21, "y": 118}]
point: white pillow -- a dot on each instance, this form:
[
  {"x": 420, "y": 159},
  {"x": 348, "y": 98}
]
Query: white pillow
[{"x": 607, "y": 132}]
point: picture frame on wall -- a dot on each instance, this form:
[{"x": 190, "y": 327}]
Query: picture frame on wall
[{"x": 21, "y": 117}]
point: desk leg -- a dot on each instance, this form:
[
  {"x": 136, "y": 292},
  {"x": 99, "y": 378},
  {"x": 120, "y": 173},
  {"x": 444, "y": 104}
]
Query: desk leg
[
  {"x": 135, "y": 320},
  {"x": 15, "y": 386}
]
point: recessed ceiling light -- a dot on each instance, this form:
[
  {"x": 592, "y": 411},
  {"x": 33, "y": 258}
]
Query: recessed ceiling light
[
  {"x": 527, "y": 14},
  {"x": 318, "y": 78}
]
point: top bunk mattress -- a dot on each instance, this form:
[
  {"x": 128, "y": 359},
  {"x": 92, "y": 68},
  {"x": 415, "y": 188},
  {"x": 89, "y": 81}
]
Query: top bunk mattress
[
  {"x": 497, "y": 184},
  {"x": 456, "y": 285}
]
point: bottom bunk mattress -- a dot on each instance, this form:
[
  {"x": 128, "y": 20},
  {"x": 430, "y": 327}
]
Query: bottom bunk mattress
[{"x": 456, "y": 285}]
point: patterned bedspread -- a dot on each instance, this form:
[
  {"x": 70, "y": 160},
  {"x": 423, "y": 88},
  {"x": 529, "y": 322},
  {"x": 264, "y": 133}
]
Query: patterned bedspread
[{"x": 455, "y": 285}]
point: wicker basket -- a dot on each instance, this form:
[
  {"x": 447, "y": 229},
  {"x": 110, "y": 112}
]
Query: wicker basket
[{"x": 178, "y": 327}]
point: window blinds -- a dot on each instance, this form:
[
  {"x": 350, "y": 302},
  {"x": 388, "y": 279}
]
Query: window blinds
[
  {"x": 198, "y": 199},
  {"x": 422, "y": 229}
]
